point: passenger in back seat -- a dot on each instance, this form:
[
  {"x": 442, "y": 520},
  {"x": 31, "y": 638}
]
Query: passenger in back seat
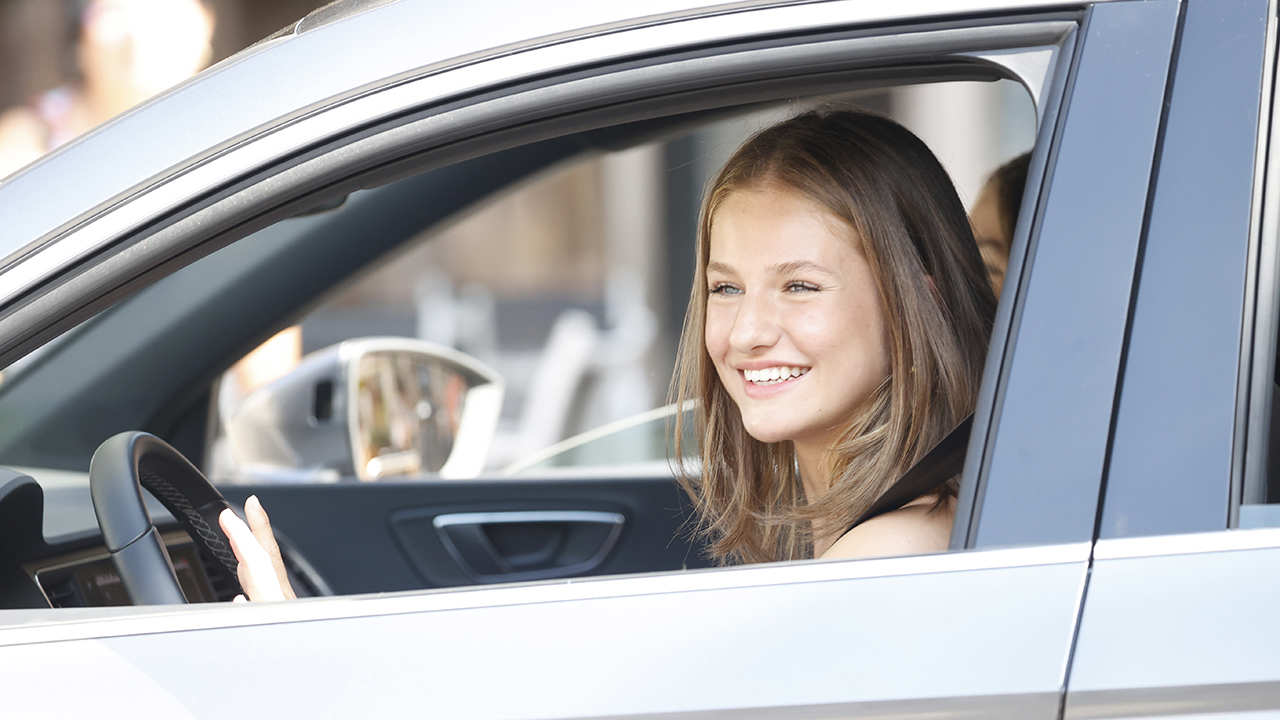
[{"x": 995, "y": 215}]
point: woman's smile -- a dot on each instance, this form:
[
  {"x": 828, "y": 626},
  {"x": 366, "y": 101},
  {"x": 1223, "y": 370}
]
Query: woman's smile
[{"x": 771, "y": 380}]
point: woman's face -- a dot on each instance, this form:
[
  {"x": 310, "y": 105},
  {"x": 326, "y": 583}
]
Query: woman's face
[{"x": 794, "y": 324}]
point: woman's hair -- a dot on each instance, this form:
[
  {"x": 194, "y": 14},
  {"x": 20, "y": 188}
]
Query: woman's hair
[{"x": 903, "y": 214}]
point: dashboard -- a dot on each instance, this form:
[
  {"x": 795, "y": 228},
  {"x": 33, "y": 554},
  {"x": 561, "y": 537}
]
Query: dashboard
[
  {"x": 52, "y": 553},
  {"x": 88, "y": 578}
]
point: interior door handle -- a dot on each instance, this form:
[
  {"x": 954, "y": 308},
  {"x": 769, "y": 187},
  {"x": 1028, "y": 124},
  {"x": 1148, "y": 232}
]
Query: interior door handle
[{"x": 528, "y": 544}]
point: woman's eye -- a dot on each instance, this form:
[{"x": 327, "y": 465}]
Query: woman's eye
[
  {"x": 799, "y": 286},
  {"x": 723, "y": 289}
]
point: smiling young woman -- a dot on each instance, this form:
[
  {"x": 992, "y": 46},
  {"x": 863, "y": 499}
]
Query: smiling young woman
[{"x": 836, "y": 332}]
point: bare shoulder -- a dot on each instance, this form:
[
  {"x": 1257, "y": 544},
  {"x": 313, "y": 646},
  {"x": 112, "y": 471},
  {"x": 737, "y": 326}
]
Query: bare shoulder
[{"x": 916, "y": 529}]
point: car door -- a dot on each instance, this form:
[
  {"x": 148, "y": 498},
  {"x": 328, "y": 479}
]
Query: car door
[
  {"x": 983, "y": 631},
  {"x": 1179, "y": 615}
]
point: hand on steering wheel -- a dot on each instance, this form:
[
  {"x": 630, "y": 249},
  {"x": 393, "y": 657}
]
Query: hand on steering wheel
[
  {"x": 261, "y": 569},
  {"x": 127, "y": 463}
]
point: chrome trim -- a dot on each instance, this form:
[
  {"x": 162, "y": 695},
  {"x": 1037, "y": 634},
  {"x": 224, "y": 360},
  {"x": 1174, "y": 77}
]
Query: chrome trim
[
  {"x": 1258, "y": 326},
  {"x": 1238, "y": 701},
  {"x": 528, "y": 516},
  {"x": 259, "y": 149},
  {"x": 112, "y": 622},
  {"x": 1187, "y": 543}
]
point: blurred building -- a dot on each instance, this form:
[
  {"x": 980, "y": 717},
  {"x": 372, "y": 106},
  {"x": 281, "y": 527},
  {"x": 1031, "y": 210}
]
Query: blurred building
[{"x": 69, "y": 65}]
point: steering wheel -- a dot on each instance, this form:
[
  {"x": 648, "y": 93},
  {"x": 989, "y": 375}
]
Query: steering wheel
[{"x": 120, "y": 468}]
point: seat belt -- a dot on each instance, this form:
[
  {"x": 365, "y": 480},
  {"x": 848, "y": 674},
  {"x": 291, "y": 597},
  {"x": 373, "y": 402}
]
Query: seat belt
[{"x": 943, "y": 462}]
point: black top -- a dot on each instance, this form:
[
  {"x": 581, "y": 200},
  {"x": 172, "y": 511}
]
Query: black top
[{"x": 943, "y": 462}]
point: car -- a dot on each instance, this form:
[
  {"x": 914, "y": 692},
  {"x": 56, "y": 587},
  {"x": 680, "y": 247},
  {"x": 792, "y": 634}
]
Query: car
[{"x": 1116, "y": 547}]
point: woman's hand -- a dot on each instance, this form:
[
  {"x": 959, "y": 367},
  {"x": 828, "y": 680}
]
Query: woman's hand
[{"x": 261, "y": 569}]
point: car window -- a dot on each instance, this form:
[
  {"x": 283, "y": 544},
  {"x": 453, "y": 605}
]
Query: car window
[
  {"x": 570, "y": 288},
  {"x": 473, "y": 361}
]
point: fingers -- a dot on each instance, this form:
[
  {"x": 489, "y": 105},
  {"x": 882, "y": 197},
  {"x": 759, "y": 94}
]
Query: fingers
[
  {"x": 260, "y": 524},
  {"x": 256, "y": 573}
]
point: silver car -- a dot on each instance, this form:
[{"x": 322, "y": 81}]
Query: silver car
[{"x": 1115, "y": 551}]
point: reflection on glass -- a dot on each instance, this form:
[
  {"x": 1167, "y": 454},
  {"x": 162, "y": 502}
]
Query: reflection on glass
[{"x": 409, "y": 409}]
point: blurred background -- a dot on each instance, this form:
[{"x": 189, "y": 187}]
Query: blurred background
[
  {"x": 571, "y": 285},
  {"x": 69, "y": 65}
]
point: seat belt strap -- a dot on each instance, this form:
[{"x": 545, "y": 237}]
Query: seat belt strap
[{"x": 943, "y": 462}]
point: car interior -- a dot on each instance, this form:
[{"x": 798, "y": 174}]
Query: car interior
[{"x": 151, "y": 359}]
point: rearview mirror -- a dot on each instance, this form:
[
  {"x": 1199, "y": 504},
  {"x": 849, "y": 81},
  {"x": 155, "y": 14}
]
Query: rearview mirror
[{"x": 370, "y": 408}]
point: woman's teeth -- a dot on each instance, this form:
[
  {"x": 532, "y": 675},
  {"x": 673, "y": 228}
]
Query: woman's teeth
[{"x": 773, "y": 375}]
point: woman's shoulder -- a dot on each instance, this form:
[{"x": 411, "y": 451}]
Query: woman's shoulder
[{"x": 919, "y": 527}]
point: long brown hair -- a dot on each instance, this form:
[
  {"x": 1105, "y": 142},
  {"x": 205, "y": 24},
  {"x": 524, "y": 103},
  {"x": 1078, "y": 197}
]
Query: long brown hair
[{"x": 905, "y": 217}]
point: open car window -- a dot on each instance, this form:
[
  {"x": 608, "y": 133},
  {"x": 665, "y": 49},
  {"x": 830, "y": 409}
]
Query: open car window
[{"x": 570, "y": 287}]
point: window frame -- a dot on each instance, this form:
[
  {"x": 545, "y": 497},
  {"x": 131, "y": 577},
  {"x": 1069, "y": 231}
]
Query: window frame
[
  {"x": 445, "y": 132},
  {"x": 1051, "y": 409}
]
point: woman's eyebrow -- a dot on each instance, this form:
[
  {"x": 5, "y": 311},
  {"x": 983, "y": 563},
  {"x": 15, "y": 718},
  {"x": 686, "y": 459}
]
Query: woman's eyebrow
[
  {"x": 787, "y": 268},
  {"x": 784, "y": 268}
]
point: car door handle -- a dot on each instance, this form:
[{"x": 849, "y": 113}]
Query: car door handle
[{"x": 528, "y": 545}]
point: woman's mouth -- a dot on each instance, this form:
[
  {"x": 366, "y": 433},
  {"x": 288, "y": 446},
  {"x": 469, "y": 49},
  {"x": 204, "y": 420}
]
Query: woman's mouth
[{"x": 775, "y": 375}]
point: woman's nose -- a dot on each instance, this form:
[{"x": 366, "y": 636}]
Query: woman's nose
[{"x": 755, "y": 325}]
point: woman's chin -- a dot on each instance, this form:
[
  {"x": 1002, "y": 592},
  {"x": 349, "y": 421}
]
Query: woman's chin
[{"x": 768, "y": 434}]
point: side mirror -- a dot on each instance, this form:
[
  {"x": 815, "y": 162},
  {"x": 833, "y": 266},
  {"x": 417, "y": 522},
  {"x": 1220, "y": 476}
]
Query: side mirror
[{"x": 372, "y": 408}]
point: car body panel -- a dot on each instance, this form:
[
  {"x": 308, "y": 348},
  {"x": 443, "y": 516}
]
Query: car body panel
[
  {"x": 873, "y": 633},
  {"x": 1180, "y": 624}
]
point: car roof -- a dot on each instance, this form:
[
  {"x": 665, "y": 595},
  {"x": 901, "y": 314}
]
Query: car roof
[{"x": 330, "y": 54}]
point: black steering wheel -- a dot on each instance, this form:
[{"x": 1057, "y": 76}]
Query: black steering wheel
[{"x": 120, "y": 468}]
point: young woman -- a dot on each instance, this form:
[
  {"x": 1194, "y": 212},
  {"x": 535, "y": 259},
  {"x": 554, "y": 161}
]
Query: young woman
[{"x": 836, "y": 332}]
